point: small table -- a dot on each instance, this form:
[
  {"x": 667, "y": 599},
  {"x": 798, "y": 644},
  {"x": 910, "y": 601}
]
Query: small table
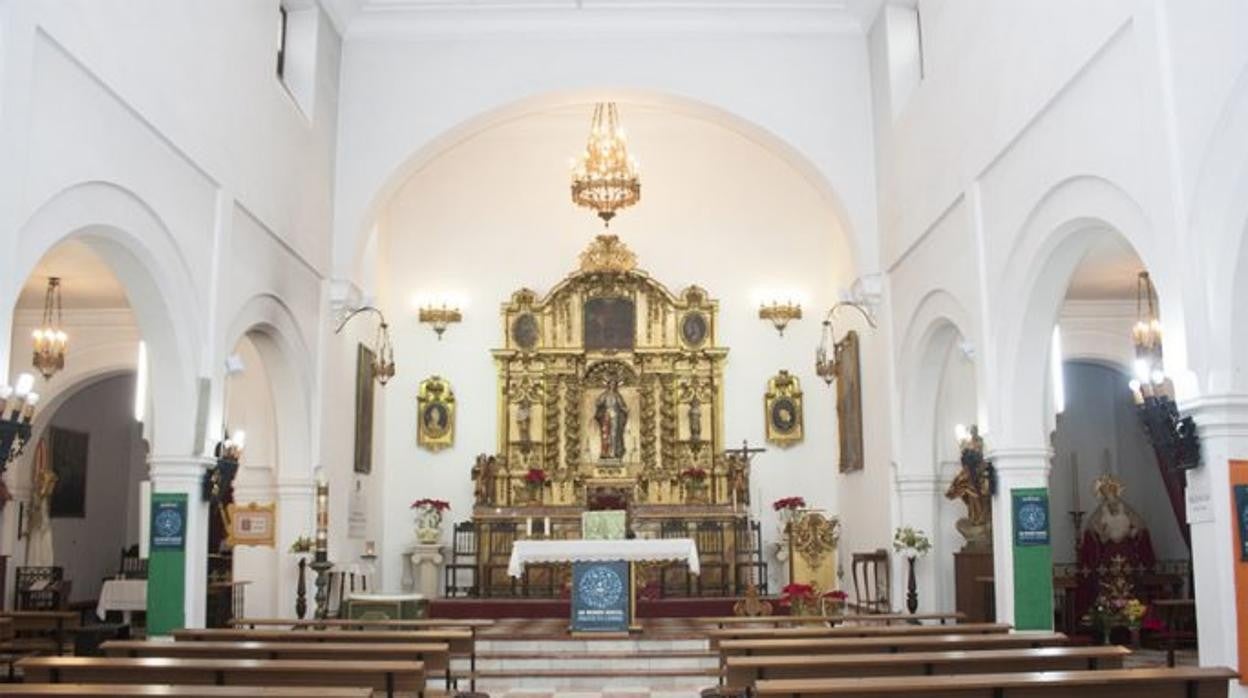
[{"x": 125, "y": 595}]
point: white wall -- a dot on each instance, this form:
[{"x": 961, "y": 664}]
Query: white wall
[
  {"x": 89, "y": 548},
  {"x": 717, "y": 210}
]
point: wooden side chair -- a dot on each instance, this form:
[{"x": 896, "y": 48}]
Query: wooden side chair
[
  {"x": 873, "y": 581},
  {"x": 463, "y": 562},
  {"x": 674, "y": 578},
  {"x": 750, "y": 568},
  {"x": 713, "y": 558},
  {"x": 41, "y": 589}
]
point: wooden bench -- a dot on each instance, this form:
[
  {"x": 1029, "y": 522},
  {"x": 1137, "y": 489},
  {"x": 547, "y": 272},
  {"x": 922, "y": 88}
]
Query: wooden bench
[
  {"x": 41, "y": 631},
  {"x": 717, "y": 635},
  {"x": 745, "y": 671},
  {"x": 459, "y": 640},
  {"x": 1184, "y": 682},
  {"x": 389, "y": 677},
  {"x": 92, "y": 689},
  {"x": 881, "y": 618},
  {"x": 861, "y": 645},
  {"x": 434, "y": 655}
]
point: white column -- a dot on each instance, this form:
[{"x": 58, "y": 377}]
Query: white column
[
  {"x": 183, "y": 474},
  {"x": 295, "y": 513},
  {"x": 916, "y": 496},
  {"x": 1017, "y": 467},
  {"x": 1222, "y": 421}
]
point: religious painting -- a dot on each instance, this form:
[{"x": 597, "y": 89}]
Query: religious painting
[
  {"x": 524, "y": 331},
  {"x": 69, "y": 464},
  {"x": 364, "y": 383},
  {"x": 694, "y": 329},
  {"x": 849, "y": 403},
  {"x": 782, "y": 406},
  {"x": 435, "y": 421},
  {"x": 610, "y": 324}
]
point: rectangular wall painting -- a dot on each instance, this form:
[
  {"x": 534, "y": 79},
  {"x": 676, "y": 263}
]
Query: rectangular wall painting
[
  {"x": 849, "y": 403},
  {"x": 69, "y": 461},
  {"x": 364, "y": 383}
]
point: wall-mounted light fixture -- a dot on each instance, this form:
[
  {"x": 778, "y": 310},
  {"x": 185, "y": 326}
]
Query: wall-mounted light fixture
[
  {"x": 825, "y": 367},
  {"x": 780, "y": 314},
  {"x": 383, "y": 350},
  {"x": 50, "y": 339},
  {"x": 439, "y": 317},
  {"x": 18, "y": 403}
]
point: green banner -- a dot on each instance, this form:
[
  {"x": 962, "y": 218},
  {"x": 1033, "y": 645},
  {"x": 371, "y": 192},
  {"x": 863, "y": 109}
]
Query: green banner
[
  {"x": 166, "y": 565},
  {"x": 1033, "y": 559}
]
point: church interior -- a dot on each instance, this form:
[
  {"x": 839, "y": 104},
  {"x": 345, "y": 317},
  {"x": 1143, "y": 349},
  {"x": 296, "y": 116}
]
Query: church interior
[{"x": 465, "y": 348}]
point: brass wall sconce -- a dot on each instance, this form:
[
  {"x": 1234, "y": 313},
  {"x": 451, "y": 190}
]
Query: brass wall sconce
[
  {"x": 383, "y": 364},
  {"x": 780, "y": 314},
  {"x": 440, "y": 318},
  {"x": 828, "y": 368}
]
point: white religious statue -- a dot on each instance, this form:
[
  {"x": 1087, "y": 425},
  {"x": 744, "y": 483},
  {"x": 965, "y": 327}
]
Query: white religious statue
[
  {"x": 39, "y": 551},
  {"x": 611, "y": 415},
  {"x": 1114, "y": 521}
]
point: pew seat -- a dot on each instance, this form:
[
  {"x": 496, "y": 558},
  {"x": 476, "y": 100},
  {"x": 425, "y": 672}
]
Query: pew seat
[
  {"x": 387, "y": 676},
  {"x": 854, "y": 631},
  {"x": 434, "y": 655},
  {"x": 1183, "y": 682},
  {"x": 460, "y": 640},
  {"x": 348, "y": 624},
  {"x": 785, "y": 620},
  {"x": 889, "y": 644},
  {"x": 87, "y": 690},
  {"x": 745, "y": 671}
]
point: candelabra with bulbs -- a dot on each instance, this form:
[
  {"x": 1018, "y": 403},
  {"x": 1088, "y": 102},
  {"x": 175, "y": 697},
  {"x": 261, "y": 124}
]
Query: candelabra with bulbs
[
  {"x": 439, "y": 317},
  {"x": 19, "y": 402},
  {"x": 825, "y": 367},
  {"x": 780, "y": 314},
  {"x": 50, "y": 340},
  {"x": 605, "y": 177}
]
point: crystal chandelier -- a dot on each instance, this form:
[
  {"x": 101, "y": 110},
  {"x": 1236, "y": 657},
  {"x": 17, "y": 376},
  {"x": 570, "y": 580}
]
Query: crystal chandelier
[
  {"x": 50, "y": 339},
  {"x": 604, "y": 177}
]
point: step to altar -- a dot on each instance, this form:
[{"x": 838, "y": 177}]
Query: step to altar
[{"x": 646, "y": 668}]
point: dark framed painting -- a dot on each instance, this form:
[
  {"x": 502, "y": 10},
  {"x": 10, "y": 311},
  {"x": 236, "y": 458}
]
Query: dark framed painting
[
  {"x": 782, "y": 405},
  {"x": 610, "y": 324},
  {"x": 69, "y": 461},
  {"x": 849, "y": 403},
  {"x": 364, "y": 384},
  {"x": 524, "y": 331},
  {"x": 694, "y": 329}
]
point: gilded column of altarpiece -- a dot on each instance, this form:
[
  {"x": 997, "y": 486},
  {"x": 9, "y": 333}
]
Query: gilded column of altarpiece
[{"x": 608, "y": 383}]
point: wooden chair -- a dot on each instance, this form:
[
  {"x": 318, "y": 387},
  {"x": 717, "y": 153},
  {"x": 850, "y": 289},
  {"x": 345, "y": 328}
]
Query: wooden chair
[
  {"x": 497, "y": 582},
  {"x": 674, "y": 578},
  {"x": 750, "y": 566},
  {"x": 463, "y": 561},
  {"x": 873, "y": 581},
  {"x": 713, "y": 558},
  {"x": 41, "y": 589},
  {"x": 132, "y": 566}
]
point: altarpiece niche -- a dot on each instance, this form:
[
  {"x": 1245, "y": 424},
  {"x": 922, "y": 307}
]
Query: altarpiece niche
[{"x": 608, "y": 383}]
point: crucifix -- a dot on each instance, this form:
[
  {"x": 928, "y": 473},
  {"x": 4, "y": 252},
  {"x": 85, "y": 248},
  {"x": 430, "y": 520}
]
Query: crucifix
[{"x": 738, "y": 460}]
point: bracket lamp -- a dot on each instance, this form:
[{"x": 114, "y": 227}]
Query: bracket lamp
[
  {"x": 383, "y": 352},
  {"x": 827, "y": 368},
  {"x": 780, "y": 314},
  {"x": 440, "y": 317}
]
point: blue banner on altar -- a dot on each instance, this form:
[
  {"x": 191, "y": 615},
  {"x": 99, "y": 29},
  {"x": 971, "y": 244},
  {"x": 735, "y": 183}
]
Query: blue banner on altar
[{"x": 600, "y": 596}]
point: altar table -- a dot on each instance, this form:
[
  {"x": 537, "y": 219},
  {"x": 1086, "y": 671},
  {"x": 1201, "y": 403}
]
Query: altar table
[
  {"x": 125, "y": 595},
  {"x": 636, "y": 550}
]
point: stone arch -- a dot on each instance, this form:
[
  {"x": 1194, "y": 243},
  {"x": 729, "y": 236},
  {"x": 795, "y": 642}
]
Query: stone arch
[
  {"x": 353, "y": 237},
  {"x": 136, "y": 245},
  {"x": 1068, "y": 221}
]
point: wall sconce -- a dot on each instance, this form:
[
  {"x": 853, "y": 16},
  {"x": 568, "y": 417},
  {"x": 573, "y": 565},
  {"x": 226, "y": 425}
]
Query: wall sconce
[
  {"x": 18, "y": 404},
  {"x": 383, "y": 363},
  {"x": 827, "y": 368},
  {"x": 440, "y": 317},
  {"x": 780, "y": 314}
]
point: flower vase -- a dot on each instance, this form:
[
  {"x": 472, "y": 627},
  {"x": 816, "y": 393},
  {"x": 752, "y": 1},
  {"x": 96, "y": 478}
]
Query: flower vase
[
  {"x": 695, "y": 491},
  {"x": 428, "y": 526}
]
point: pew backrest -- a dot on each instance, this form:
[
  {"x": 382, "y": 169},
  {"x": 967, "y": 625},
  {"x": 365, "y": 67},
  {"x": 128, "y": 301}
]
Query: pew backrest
[
  {"x": 920, "y": 643},
  {"x": 459, "y": 639},
  {"x": 19, "y": 690},
  {"x": 434, "y": 655}
]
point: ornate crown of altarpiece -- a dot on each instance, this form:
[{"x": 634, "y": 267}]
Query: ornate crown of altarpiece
[{"x": 610, "y": 379}]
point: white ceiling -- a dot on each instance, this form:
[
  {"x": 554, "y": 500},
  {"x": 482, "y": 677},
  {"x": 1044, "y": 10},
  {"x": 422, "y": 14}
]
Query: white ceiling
[
  {"x": 348, "y": 15},
  {"x": 86, "y": 282},
  {"x": 1107, "y": 273}
]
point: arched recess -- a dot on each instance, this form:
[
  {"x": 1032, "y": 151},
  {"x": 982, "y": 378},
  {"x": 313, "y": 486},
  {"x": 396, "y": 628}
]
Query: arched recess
[
  {"x": 356, "y": 236},
  {"x": 1070, "y": 220},
  {"x": 936, "y": 336},
  {"x": 135, "y": 244}
]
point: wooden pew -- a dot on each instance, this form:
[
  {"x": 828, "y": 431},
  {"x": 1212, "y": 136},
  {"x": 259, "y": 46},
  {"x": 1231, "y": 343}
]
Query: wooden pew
[
  {"x": 434, "y": 655},
  {"x": 745, "y": 671},
  {"x": 42, "y": 631},
  {"x": 390, "y": 677},
  {"x": 903, "y": 643},
  {"x": 1183, "y": 682},
  {"x": 809, "y": 631},
  {"x": 92, "y": 689},
  {"x": 881, "y": 618}
]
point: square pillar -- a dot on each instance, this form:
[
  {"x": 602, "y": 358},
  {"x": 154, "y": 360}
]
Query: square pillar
[
  {"x": 917, "y": 507},
  {"x": 1022, "y": 568},
  {"x": 174, "y": 583}
]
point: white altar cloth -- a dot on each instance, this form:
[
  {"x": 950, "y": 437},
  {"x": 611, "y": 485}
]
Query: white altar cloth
[
  {"x": 123, "y": 595},
  {"x": 524, "y": 552}
]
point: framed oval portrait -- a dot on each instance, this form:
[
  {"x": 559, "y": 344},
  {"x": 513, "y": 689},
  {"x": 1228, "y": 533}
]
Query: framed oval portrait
[
  {"x": 435, "y": 414},
  {"x": 784, "y": 415},
  {"x": 782, "y": 410},
  {"x": 694, "y": 329},
  {"x": 436, "y": 419},
  {"x": 524, "y": 331}
]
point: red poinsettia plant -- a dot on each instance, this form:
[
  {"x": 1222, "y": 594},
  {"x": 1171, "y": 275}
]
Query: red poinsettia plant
[
  {"x": 789, "y": 503},
  {"x": 535, "y": 476},
  {"x": 438, "y": 505},
  {"x": 796, "y": 591},
  {"x": 693, "y": 474},
  {"x": 835, "y": 595}
]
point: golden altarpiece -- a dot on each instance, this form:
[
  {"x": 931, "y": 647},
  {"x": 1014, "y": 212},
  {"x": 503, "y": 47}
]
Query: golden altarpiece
[{"x": 610, "y": 396}]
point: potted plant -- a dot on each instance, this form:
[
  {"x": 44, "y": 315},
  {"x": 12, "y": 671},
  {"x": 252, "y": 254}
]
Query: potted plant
[
  {"x": 695, "y": 484},
  {"x": 800, "y": 598},
  {"x": 911, "y": 543},
  {"x": 833, "y": 602},
  {"x": 533, "y": 482},
  {"x": 429, "y": 519}
]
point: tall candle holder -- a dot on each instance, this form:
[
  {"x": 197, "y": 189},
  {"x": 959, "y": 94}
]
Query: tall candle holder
[{"x": 320, "y": 562}]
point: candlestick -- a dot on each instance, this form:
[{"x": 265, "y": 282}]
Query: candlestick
[
  {"x": 546, "y": 526},
  {"x": 322, "y": 521}
]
